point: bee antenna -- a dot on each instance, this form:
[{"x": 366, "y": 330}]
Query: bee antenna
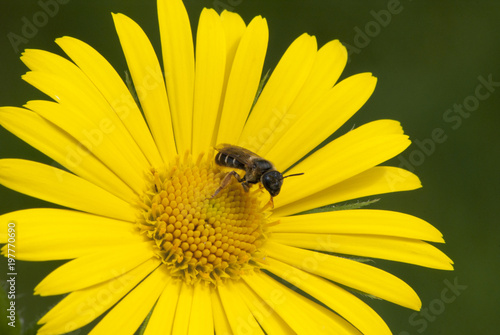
[{"x": 292, "y": 175}]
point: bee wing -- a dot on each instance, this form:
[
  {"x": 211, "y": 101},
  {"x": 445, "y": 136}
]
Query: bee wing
[{"x": 242, "y": 155}]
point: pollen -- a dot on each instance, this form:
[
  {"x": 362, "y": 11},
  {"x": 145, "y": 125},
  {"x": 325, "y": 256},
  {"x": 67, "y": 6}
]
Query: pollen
[{"x": 201, "y": 237}]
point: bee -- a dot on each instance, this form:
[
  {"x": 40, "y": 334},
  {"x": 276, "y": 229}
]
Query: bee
[{"x": 257, "y": 169}]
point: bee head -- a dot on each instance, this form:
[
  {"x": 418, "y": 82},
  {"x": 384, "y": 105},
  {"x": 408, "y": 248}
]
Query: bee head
[{"x": 272, "y": 181}]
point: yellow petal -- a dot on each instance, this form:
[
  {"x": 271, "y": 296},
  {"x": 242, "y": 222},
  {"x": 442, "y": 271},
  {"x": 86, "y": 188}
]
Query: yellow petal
[
  {"x": 221, "y": 324},
  {"x": 63, "y": 188},
  {"x": 346, "y": 156},
  {"x": 243, "y": 80},
  {"x": 183, "y": 310},
  {"x": 163, "y": 315},
  {"x": 347, "y": 272},
  {"x": 338, "y": 299},
  {"x": 148, "y": 82},
  {"x": 178, "y": 62},
  {"x": 279, "y": 92},
  {"x": 114, "y": 90},
  {"x": 360, "y": 222},
  {"x": 91, "y": 269},
  {"x": 209, "y": 79},
  {"x": 328, "y": 65},
  {"x": 99, "y": 127},
  {"x": 302, "y": 314},
  {"x": 62, "y": 148},
  {"x": 234, "y": 28},
  {"x": 82, "y": 307},
  {"x": 377, "y": 180},
  {"x": 271, "y": 322},
  {"x": 50, "y": 234},
  {"x": 331, "y": 111},
  {"x": 201, "y": 320},
  {"x": 384, "y": 247},
  {"x": 239, "y": 316},
  {"x": 130, "y": 312},
  {"x": 93, "y": 138}
]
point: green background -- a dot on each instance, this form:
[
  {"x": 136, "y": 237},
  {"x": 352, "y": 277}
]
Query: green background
[{"x": 429, "y": 57}]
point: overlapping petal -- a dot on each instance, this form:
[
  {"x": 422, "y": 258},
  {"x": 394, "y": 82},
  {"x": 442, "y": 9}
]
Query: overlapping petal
[
  {"x": 84, "y": 306},
  {"x": 57, "y": 144},
  {"x": 347, "y": 272},
  {"x": 130, "y": 312},
  {"x": 178, "y": 62},
  {"x": 337, "y": 298},
  {"x": 72, "y": 234},
  {"x": 148, "y": 83},
  {"x": 351, "y": 154},
  {"x": 83, "y": 112},
  {"x": 211, "y": 54},
  {"x": 302, "y": 314},
  {"x": 377, "y": 180},
  {"x": 105, "y": 263},
  {"x": 60, "y": 187},
  {"x": 243, "y": 80},
  {"x": 114, "y": 90}
]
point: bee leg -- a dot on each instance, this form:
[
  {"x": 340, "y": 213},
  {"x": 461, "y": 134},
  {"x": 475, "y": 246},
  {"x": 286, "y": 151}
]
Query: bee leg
[
  {"x": 245, "y": 185},
  {"x": 271, "y": 203},
  {"x": 226, "y": 181}
]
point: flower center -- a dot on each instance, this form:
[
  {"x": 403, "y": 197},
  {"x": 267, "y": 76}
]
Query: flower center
[{"x": 201, "y": 237}]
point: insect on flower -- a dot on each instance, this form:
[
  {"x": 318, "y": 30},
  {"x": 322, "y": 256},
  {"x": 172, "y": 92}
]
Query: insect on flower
[{"x": 257, "y": 169}]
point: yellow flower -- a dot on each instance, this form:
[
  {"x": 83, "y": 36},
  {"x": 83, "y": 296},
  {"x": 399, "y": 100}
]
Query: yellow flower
[{"x": 145, "y": 233}]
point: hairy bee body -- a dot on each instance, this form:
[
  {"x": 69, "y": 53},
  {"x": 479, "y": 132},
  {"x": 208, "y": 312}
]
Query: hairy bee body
[{"x": 257, "y": 169}]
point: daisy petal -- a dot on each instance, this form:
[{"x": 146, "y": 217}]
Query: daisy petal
[
  {"x": 183, "y": 310},
  {"x": 209, "y": 79},
  {"x": 271, "y": 322},
  {"x": 83, "y": 107},
  {"x": 114, "y": 90},
  {"x": 62, "y": 188},
  {"x": 302, "y": 314},
  {"x": 280, "y": 91},
  {"x": 384, "y": 247},
  {"x": 72, "y": 234},
  {"x": 338, "y": 299},
  {"x": 148, "y": 82},
  {"x": 104, "y": 264},
  {"x": 221, "y": 324},
  {"x": 62, "y": 148},
  {"x": 130, "y": 312},
  {"x": 332, "y": 110},
  {"x": 163, "y": 315},
  {"x": 234, "y": 28},
  {"x": 243, "y": 80},
  {"x": 84, "y": 306},
  {"x": 346, "y": 156},
  {"x": 347, "y": 272},
  {"x": 360, "y": 222},
  {"x": 201, "y": 320},
  {"x": 328, "y": 65},
  {"x": 239, "y": 316},
  {"x": 92, "y": 138},
  {"x": 377, "y": 180},
  {"x": 178, "y": 62}
]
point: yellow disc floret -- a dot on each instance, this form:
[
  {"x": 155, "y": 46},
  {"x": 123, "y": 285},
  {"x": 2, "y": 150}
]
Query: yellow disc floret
[{"x": 201, "y": 237}]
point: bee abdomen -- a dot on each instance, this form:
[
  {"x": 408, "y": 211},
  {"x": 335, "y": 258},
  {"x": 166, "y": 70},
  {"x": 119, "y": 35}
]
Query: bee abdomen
[{"x": 228, "y": 161}]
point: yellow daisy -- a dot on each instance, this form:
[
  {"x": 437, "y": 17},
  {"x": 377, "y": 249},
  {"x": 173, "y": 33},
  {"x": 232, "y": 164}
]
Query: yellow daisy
[{"x": 144, "y": 233}]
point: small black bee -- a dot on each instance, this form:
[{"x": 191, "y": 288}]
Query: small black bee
[{"x": 257, "y": 169}]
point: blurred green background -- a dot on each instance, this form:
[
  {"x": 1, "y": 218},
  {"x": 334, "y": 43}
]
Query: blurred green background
[{"x": 439, "y": 74}]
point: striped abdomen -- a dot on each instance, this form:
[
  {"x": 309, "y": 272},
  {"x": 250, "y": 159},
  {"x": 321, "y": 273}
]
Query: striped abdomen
[{"x": 228, "y": 161}]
